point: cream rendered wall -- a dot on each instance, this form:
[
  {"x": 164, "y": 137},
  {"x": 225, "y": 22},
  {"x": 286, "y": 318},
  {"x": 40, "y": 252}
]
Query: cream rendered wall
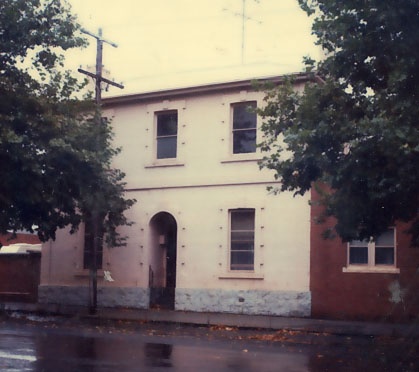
[
  {"x": 198, "y": 188},
  {"x": 281, "y": 246},
  {"x": 204, "y": 136},
  {"x": 62, "y": 258}
]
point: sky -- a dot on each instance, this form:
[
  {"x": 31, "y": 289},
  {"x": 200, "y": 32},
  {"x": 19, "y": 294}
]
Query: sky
[{"x": 176, "y": 43}]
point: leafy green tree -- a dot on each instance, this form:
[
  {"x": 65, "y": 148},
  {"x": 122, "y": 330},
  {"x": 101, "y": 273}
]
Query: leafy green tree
[
  {"x": 55, "y": 157},
  {"x": 355, "y": 126}
]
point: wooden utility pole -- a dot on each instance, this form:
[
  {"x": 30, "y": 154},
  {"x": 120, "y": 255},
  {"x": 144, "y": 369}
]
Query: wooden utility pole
[{"x": 96, "y": 218}]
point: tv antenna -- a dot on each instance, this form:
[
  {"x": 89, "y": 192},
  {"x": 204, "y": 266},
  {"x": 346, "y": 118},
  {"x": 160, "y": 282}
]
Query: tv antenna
[{"x": 244, "y": 18}]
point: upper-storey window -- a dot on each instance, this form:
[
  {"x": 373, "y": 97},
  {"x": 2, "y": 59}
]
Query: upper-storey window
[
  {"x": 380, "y": 252},
  {"x": 167, "y": 123},
  {"x": 244, "y": 127}
]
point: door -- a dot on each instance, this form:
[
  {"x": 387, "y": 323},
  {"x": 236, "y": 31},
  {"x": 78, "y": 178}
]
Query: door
[{"x": 162, "y": 281}]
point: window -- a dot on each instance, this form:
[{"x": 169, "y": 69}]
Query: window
[
  {"x": 380, "y": 252},
  {"x": 88, "y": 247},
  {"x": 242, "y": 239},
  {"x": 166, "y": 134},
  {"x": 244, "y": 127}
]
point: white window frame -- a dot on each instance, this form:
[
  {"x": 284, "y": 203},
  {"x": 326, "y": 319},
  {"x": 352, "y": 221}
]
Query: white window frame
[
  {"x": 230, "y": 216},
  {"x": 249, "y": 102},
  {"x": 157, "y": 137},
  {"x": 225, "y": 272},
  {"x": 371, "y": 266}
]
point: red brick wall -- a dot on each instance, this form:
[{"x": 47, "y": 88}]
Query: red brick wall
[
  {"x": 361, "y": 296},
  {"x": 19, "y": 273},
  {"x": 20, "y": 238},
  {"x": 19, "y": 277}
]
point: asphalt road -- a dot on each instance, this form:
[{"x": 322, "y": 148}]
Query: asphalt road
[{"x": 63, "y": 344}]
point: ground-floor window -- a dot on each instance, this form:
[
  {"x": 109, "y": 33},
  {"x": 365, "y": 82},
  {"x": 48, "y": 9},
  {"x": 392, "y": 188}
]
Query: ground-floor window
[
  {"x": 378, "y": 252},
  {"x": 242, "y": 239},
  {"x": 88, "y": 247}
]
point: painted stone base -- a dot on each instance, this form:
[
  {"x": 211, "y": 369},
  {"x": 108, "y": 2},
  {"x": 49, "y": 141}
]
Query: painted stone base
[
  {"x": 106, "y": 297},
  {"x": 251, "y": 302}
]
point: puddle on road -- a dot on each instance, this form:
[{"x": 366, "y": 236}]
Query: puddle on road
[
  {"x": 48, "y": 351},
  {"x": 158, "y": 355},
  {"x": 52, "y": 352},
  {"x": 12, "y": 355}
]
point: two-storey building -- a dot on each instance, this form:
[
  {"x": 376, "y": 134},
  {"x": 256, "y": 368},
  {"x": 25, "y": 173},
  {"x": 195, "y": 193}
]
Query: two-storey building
[{"x": 208, "y": 235}]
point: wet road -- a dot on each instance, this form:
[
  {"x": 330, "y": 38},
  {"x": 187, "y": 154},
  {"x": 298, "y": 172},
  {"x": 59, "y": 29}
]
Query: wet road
[{"x": 82, "y": 346}]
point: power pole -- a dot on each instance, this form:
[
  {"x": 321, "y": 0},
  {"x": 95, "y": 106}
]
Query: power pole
[
  {"x": 98, "y": 76},
  {"x": 96, "y": 218}
]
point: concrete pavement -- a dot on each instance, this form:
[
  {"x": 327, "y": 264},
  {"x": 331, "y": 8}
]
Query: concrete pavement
[{"x": 336, "y": 327}]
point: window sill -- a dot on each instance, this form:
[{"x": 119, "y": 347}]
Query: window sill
[
  {"x": 238, "y": 158},
  {"x": 165, "y": 164},
  {"x": 86, "y": 273},
  {"x": 371, "y": 269},
  {"x": 242, "y": 275}
]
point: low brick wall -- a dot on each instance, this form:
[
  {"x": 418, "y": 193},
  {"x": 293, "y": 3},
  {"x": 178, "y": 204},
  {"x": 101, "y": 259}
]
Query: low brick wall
[
  {"x": 8, "y": 239},
  {"x": 20, "y": 277}
]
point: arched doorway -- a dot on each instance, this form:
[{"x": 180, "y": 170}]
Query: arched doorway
[{"x": 162, "y": 278}]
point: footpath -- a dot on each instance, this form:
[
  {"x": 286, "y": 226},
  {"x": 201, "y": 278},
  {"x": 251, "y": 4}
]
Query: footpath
[{"x": 336, "y": 327}]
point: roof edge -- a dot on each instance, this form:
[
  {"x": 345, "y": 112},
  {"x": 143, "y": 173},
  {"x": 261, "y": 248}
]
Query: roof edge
[{"x": 200, "y": 89}]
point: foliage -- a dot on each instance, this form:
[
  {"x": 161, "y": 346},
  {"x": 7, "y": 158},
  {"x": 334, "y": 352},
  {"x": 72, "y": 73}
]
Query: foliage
[
  {"x": 55, "y": 157},
  {"x": 355, "y": 125}
]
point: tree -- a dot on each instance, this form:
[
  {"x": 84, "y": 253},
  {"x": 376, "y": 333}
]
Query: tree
[
  {"x": 355, "y": 126},
  {"x": 55, "y": 157}
]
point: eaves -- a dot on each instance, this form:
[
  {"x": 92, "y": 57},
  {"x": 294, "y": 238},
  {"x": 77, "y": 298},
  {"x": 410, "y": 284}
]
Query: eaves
[{"x": 213, "y": 88}]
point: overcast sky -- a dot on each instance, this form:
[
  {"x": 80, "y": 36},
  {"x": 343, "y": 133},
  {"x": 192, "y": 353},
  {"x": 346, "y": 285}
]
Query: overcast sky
[{"x": 168, "y": 43}]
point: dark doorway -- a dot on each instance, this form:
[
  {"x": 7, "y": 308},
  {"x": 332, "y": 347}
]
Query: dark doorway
[{"x": 163, "y": 261}]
